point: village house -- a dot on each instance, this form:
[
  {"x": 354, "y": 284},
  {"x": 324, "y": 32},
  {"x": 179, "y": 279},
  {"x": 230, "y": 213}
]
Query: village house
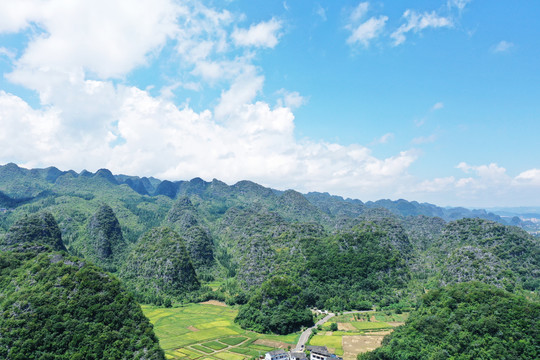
[
  {"x": 321, "y": 353},
  {"x": 278, "y": 354},
  {"x": 317, "y": 353},
  {"x": 300, "y": 355}
]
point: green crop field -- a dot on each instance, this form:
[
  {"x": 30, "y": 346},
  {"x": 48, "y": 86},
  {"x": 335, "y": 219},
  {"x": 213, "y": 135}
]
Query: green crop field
[
  {"x": 230, "y": 356},
  {"x": 249, "y": 352},
  {"x": 332, "y": 341},
  {"x": 233, "y": 340},
  {"x": 215, "y": 345},
  {"x": 369, "y": 325},
  {"x": 202, "y": 348},
  {"x": 204, "y": 331}
]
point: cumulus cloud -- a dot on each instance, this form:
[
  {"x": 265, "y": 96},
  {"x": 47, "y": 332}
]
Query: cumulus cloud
[
  {"x": 96, "y": 36},
  {"x": 529, "y": 177},
  {"x": 80, "y": 54},
  {"x": 502, "y": 46},
  {"x": 161, "y": 139},
  {"x": 87, "y": 120},
  {"x": 482, "y": 186},
  {"x": 416, "y": 22},
  {"x": 263, "y": 34}
]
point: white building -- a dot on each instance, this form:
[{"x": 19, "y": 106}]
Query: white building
[
  {"x": 321, "y": 353},
  {"x": 278, "y": 354}
]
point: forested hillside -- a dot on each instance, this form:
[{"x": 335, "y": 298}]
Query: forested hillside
[
  {"x": 57, "y": 306},
  {"x": 172, "y": 242},
  {"x": 466, "y": 321}
]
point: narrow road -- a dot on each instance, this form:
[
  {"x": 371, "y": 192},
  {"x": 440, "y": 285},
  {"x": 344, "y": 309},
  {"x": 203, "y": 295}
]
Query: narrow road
[{"x": 305, "y": 335}]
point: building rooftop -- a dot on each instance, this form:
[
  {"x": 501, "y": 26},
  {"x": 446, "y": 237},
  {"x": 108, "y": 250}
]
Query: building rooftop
[
  {"x": 276, "y": 352},
  {"x": 319, "y": 350}
]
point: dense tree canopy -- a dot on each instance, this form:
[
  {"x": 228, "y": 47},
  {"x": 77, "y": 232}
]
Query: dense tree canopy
[
  {"x": 276, "y": 307},
  {"x": 159, "y": 266},
  {"x": 56, "y": 306},
  {"x": 466, "y": 321}
]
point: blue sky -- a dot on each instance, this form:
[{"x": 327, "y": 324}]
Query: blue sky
[{"x": 433, "y": 101}]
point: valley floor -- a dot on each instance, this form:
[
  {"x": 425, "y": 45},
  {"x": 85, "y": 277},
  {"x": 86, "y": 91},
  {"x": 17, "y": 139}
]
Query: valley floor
[{"x": 208, "y": 332}]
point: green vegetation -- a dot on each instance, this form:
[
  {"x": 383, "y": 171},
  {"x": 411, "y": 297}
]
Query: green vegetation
[
  {"x": 365, "y": 325},
  {"x": 202, "y": 348},
  {"x": 333, "y": 342},
  {"x": 276, "y": 307},
  {"x": 233, "y": 340},
  {"x": 343, "y": 271},
  {"x": 215, "y": 345},
  {"x": 180, "y": 328},
  {"x": 183, "y": 218},
  {"x": 159, "y": 266},
  {"x": 103, "y": 242},
  {"x": 273, "y": 253},
  {"x": 57, "y": 306},
  {"x": 466, "y": 321},
  {"x": 34, "y": 231}
]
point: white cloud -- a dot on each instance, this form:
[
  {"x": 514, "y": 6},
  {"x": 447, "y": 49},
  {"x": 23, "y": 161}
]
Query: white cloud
[
  {"x": 437, "y": 106},
  {"x": 292, "y": 100},
  {"x": 7, "y": 53},
  {"x": 482, "y": 186},
  {"x": 384, "y": 139},
  {"x": 529, "y": 177},
  {"x": 417, "y": 22},
  {"x": 160, "y": 139},
  {"x": 321, "y": 12},
  {"x": 263, "y": 34},
  {"x": 424, "y": 139},
  {"x": 367, "y": 31},
  {"x": 363, "y": 32},
  {"x": 502, "y": 46},
  {"x": 437, "y": 185},
  {"x": 242, "y": 91},
  {"x": 86, "y": 120},
  {"x": 459, "y": 4},
  {"x": 107, "y": 38},
  {"x": 359, "y": 11}
]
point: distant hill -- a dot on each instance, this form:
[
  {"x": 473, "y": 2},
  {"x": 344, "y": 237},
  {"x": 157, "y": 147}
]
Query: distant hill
[
  {"x": 18, "y": 183},
  {"x": 384, "y": 253}
]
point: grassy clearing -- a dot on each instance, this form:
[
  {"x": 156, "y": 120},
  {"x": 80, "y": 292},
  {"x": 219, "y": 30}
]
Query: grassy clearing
[
  {"x": 215, "y": 345},
  {"x": 233, "y": 340}
]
